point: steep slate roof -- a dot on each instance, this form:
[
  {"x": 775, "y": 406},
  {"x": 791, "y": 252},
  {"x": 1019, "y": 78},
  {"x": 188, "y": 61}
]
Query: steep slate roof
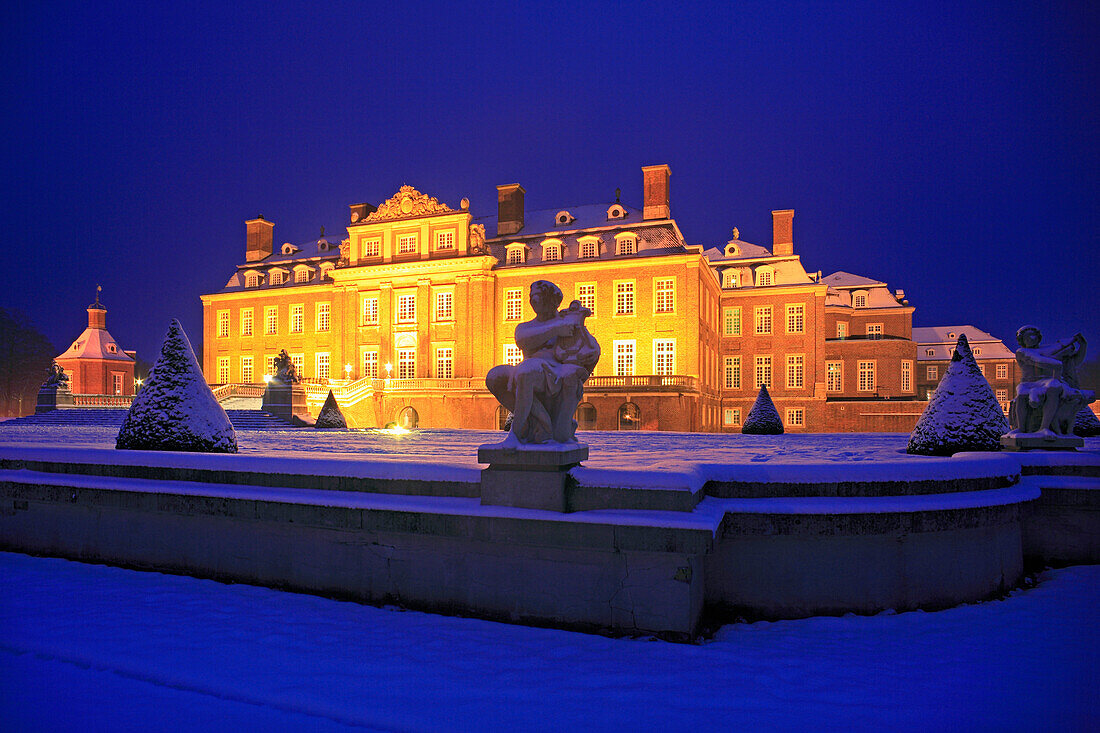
[
  {"x": 938, "y": 339},
  {"x": 92, "y": 344},
  {"x": 842, "y": 279},
  {"x": 652, "y": 241},
  {"x": 309, "y": 253},
  {"x": 543, "y": 222},
  {"x": 748, "y": 251}
]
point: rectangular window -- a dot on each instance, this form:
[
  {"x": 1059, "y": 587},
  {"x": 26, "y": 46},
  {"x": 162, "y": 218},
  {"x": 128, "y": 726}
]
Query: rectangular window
[
  {"x": 981, "y": 368},
  {"x": 370, "y": 364},
  {"x": 859, "y": 301},
  {"x": 586, "y": 294},
  {"x": 907, "y": 376},
  {"x": 444, "y": 363},
  {"x": 796, "y": 371},
  {"x": 301, "y": 275},
  {"x": 932, "y": 372},
  {"x": 874, "y": 330},
  {"x": 764, "y": 319},
  {"x": 764, "y": 277},
  {"x": 406, "y": 363},
  {"x": 323, "y": 312},
  {"x": 275, "y": 277},
  {"x": 796, "y": 318},
  {"x": 1002, "y": 371},
  {"x": 297, "y": 318},
  {"x": 223, "y": 369},
  {"x": 322, "y": 365},
  {"x": 406, "y": 244},
  {"x": 624, "y": 298},
  {"x": 247, "y": 372},
  {"x": 834, "y": 376},
  {"x": 841, "y": 330},
  {"x": 444, "y": 305},
  {"x": 551, "y": 253},
  {"x": 269, "y": 364},
  {"x": 732, "y": 372},
  {"x": 1002, "y": 395},
  {"x": 271, "y": 319},
  {"x": 795, "y": 417},
  {"x": 116, "y": 382},
  {"x": 589, "y": 250},
  {"x": 512, "y": 354},
  {"x": 246, "y": 322},
  {"x": 406, "y": 308},
  {"x": 665, "y": 295},
  {"x": 445, "y": 240},
  {"x": 370, "y": 311},
  {"x": 731, "y": 279},
  {"x": 763, "y": 372},
  {"x": 299, "y": 362},
  {"x": 513, "y": 305},
  {"x": 252, "y": 280},
  {"x": 664, "y": 356},
  {"x": 626, "y": 245},
  {"x": 624, "y": 358},
  {"x": 866, "y": 376},
  {"x": 733, "y": 416},
  {"x": 731, "y": 321},
  {"x": 372, "y": 247},
  {"x": 223, "y": 324}
]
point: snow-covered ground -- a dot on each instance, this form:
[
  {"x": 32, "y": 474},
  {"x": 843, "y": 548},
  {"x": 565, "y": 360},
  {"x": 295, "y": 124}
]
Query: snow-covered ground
[{"x": 87, "y": 647}]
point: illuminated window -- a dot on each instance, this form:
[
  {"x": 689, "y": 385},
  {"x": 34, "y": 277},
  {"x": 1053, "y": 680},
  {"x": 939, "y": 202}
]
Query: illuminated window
[
  {"x": 370, "y": 311},
  {"x": 764, "y": 319},
  {"x": 796, "y": 318},
  {"x": 732, "y": 372},
  {"x": 731, "y": 416},
  {"x": 866, "y": 376},
  {"x": 301, "y": 275},
  {"x": 589, "y": 249},
  {"x": 929, "y": 352},
  {"x": 512, "y": 354},
  {"x": 626, "y": 245},
  {"x": 731, "y": 321},
  {"x": 223, "y": 370},
  {"x": 406, "y": 308},
  {"x": 513, "y": 304},
  {"x": 246, "y": 322},
  {"x": 762, "y": 375},
  {"x": 907, "y": 376},
  {"x": 517, "y": 254},
  {"x": 624, "y": 358},
  {"x": 624, "y": 298},
  {"x": 223, "y": 324},
  {"x": 322, "y": 365},
  {"x": 444, "y": 363},
  {"x": 834, "y": 376},
  {"x": 297, "y": 318},
  {"x": 372, "y": 247},
  {"x": 841, "y": 330},
  {"x": 796, "y": 371},
  {"x": 586, "y": 294},
  {"x": 1002, "y": 371},
  {"x": 665, "y": 295},
  {"x": 859, "y": 301},
  {"x": 323, "y": 312},
  {"x": 664, "y": 356},
  {"x": 326, "y": 271},
  {"x": 795, "y": 417},
  {"x": 932, "y": 372},
  {"x": 406, "y": 244},
  {"x": 247, "y": 375},
  {"x": 551, "y": 251},
  {"x": 252, "y": 280},
  {"x": 406, "y": 363},
  {"x": 765, "y": 276},
  {"x": 370, "y": 364},
  {"x": 444, "y": 305},
  {"x": 445, "y": 240},
  {"x": 275, "y": 277},
  {"x": 271, "y": 319},
  {"x": 731, "y": 279},
  {"x": 874, "y": 330}
]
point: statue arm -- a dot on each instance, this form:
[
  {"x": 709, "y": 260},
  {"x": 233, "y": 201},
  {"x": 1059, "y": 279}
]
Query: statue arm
[{"x": 534, "y": 335}]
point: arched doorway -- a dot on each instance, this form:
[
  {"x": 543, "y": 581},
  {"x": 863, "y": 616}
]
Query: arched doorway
[
  {"x": 408, "y": 418},
  {"x": 586, "y": 416},
  {"x": 630, "y": 417}
]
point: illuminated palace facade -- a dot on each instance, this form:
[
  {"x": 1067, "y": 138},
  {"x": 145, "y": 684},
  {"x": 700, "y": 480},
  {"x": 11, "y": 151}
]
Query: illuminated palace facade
[{"x": 405, "y": 315}]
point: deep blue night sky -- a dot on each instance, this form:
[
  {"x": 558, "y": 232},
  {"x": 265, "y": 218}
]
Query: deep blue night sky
[{"x": 950, "y": 149}]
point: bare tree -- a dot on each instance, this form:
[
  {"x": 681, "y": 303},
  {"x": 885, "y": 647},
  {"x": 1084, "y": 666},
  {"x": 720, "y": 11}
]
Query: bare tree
[{"x": 25, "y": 357}]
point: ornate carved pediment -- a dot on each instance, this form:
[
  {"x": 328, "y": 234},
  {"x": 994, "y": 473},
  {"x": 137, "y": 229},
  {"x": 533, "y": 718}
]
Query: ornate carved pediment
[{"x": 406, "y": 204}]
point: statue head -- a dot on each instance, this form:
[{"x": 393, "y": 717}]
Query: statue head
[
  {"x": 1028, "y": 337},
  {"x": 545, "y": 297}
]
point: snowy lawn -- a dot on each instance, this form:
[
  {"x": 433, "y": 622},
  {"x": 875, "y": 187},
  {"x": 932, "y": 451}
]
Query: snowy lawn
[{"x": 86, "y": 647}]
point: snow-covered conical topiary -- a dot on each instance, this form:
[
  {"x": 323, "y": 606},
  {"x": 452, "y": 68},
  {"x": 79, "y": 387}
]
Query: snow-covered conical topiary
[
  {"x": 763, "y": 418},
  {"x": 330, "y": 415},
  {"x": 963, "y": 413},
  {"x": 1085, "y": 424},
  {"x": 176, "y": 409}
]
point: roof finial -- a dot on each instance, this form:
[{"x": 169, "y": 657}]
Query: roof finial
[
  {"x": 322, "y": 231},
  {"x": 98, "y": 290},
  {"x": 618, "y": 193},
  {"x": 736, "y": 233}
]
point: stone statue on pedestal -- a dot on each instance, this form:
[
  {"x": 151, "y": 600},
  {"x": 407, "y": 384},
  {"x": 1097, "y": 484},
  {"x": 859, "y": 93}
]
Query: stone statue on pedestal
[
  {"x": 56, "y": 377},
  {"x": 1048, "y": 398},
  {"x": 542, "y": 391},
  {"x": 284, "y": 396},
  {"x": 285, "y": 371}
]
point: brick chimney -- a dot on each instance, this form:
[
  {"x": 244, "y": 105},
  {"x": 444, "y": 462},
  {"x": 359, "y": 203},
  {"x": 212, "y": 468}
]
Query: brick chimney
[
  {"x": 260, "y": 239},
  {"x": 509, "y": 209},
  {"x": 783, "y": 232},
  {"x": 360, "y": 212},
  {"x": 655, "y": 191}
]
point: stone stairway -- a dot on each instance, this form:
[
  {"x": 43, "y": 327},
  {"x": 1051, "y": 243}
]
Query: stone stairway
[
  {"x": 258, "y": 420},
  {"x": 107, "y": 417}
]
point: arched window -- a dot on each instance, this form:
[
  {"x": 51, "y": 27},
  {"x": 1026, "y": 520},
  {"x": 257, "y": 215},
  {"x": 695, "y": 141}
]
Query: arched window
[
  {"x": 731, "y": 278},
  {"x": 517, "y": 254},
  {"x": 326, "y": 271},
  {"x": 859, "y": 300},
  {"x": 590, "y": 248},
  {"x": 630, "y": 417},
  {"x": 408, "y": 418},
  {"x": 930, "y": 352},
  {"x": 765, "y": 276},
  {"x": 626, "y": 243},
  {"x": 586, "y": 416},
  {"x": 551, "y": 250},
  {"x": 252, "y": 280}
]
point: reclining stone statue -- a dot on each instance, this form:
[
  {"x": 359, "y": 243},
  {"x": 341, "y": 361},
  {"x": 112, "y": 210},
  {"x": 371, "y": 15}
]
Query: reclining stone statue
[
  {"x": 1048, "y": 397},
  {"x": 543, "y": 391}
]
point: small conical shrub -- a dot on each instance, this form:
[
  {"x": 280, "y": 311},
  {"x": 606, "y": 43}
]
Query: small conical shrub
[
  {"x": 176, "y": 409},
  {"x": 1085, "y": 423},
  {"x": 330, "y": 415},
  {"x": 963, "y": 413},
  {"x": 763, "y": 418}
]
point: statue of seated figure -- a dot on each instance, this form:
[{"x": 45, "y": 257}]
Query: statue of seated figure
[
  {"x": 284, "y": 369},
  {"x": 542, "y": 391},
  {"x": 56, "y": 377},
  {"x": 1047, "y": 399}
]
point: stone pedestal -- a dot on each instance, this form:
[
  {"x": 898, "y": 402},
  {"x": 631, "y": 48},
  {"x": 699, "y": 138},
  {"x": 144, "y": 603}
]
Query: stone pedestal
[
  {"x": 528, "y": 477},
  {"x": 285, "y": 400},
  {"x": 1034, "y": 441},
  {"x": 52, "y": 398}
]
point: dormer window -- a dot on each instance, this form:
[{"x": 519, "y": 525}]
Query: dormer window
[
  {"x": 302, "y": 275},
  {"x": 731, "y": 279},
  {"x": 952, "y": 335},
  {"x": 859, "y": 300},
  {"x": 326, "y": 271},
  {"x": 276, "y": 277},
  {"x": 551, "y": 250},
  {"x": 323, "y": 245},
  {"x": 289, "y": 249},
  {"x": 563, "y": 218},
  {"x": 733, "y": 249},
  {"x": 765, "y": 277},
  {"x": 626, "y": 243},
  {"x": 589, "y": 248},
  {"x": 615, "y": 211},
  {"x": 517, "y": 254},
  {"x": 252, "y": 280},
  {"x": 112, "y": 349},
  {"x": 929, "y": 352},
  {"x": 977, "y": 351}
]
